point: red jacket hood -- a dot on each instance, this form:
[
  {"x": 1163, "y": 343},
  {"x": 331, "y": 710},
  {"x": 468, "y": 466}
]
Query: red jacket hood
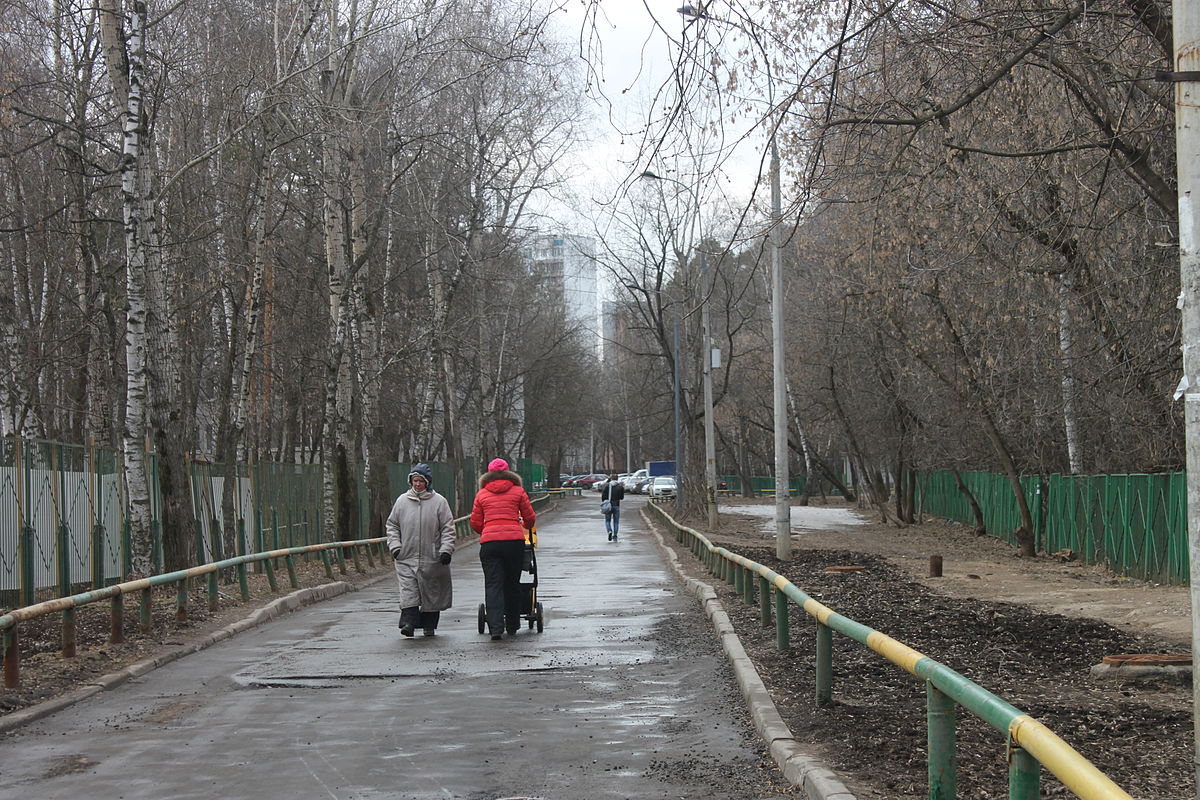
[{"x": 499, "y": 486}]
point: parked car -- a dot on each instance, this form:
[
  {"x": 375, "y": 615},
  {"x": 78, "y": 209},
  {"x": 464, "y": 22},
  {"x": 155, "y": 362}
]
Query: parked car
[
  {"x": 633, "y": 478},
  {"x": 662, "y": 486},
  {"x": 640, "y": 485},
  {"x": 587, "y": 481}
]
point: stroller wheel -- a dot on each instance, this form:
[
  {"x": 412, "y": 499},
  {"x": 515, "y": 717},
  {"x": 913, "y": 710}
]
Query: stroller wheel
[
  {"x": 540, "y": 617},
  {"x": 482, "y": 617}
]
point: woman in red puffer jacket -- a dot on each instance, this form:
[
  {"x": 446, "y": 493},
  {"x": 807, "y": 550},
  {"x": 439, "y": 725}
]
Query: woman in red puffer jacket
[{"x": 501, "y": 515}]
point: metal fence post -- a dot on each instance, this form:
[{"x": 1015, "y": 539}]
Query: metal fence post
[
  {"x": 764, "y": 602},
  {"x": 782, "y": 634},
  {"x": 98, "y": 557},
  {"x": 824, "y": 665},
  {"x": 941, "y": 737},
  {"x": 181, "y": 600},
  {"x": 25, "y": 557},
  {"x": 214, "y": 595},
  {"x": 116, "y": 619},
  {"x": 259, "y": 541},
  {"x": 1024, "y": 775},
  {"x": 243, "y": 586},
  {"x": 63, "y": 546}
]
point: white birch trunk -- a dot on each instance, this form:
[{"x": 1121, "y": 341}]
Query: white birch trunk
[
  {"x": 1069, "y": 390},
  {"x": 135, "y": 308}
]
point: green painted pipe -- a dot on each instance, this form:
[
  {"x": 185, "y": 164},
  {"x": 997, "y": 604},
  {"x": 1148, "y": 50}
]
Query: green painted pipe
[
  {"x": 214, "y": 596},
  {"x": 25, "y": 557},
  {"x": 68, "y": 632},
  {"x": 764, "y": 602},
  {"x": 783, "y": 636},
  {"x": 116, "y": 619},
  {"x": 269, "y": 566},
  {"x": 824, "y": 665},
  {"x": 291, "y": 568},
  {"x": 1024, "y": 775},
  {"x": 941, "y": 737},
  {"x": 97, "y": 556},
  {"x": 243, "y": 584}
]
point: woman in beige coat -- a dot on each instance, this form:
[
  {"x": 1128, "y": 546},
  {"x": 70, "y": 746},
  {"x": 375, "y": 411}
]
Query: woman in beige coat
[{"x": 420, "y": 536}]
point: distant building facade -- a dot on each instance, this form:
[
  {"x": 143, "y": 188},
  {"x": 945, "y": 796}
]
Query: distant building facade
[{"x": 569, "y": 262}]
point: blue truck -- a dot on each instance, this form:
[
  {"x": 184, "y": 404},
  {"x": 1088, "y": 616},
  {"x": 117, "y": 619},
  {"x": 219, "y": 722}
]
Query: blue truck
[{"x": 654, "y": 468}]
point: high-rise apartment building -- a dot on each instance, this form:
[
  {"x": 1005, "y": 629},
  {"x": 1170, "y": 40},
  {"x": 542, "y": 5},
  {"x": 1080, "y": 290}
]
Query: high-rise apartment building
[{"x": 569, "y": 262}]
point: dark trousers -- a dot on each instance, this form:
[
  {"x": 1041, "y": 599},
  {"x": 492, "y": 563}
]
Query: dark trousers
[
  {"x": 501, "y": 562},
  {"x": 417, "y": 618}
]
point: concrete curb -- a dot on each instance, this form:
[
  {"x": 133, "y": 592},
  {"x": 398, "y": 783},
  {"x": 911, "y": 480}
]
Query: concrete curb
[
  {"x": 800, "y": 768},
  {"x": 274, "y": 609}
]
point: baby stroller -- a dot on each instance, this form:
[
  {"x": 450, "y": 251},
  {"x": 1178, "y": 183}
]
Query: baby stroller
[{"x": 531, "y": 608}]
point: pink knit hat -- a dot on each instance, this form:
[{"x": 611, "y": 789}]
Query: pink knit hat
[{"x": 497, "y": 465}]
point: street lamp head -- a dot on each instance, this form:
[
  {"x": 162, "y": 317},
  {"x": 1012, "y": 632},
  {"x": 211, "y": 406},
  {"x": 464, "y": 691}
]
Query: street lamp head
[
  {"x": 650, "y": 176},
  {"x": 696, "y": 12}
]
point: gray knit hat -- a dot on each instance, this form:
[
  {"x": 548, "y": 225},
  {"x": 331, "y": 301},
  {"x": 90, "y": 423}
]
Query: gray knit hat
[{"x": 423, "y": 471}]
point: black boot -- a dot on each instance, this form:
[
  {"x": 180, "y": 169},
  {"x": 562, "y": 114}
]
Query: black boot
[{"x": 408, "y": 620}]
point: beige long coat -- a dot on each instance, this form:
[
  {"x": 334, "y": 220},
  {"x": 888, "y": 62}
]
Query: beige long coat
[{"x": 419, "y": 529}]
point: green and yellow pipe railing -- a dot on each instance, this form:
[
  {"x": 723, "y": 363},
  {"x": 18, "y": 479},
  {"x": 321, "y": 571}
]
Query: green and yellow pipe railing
[{"x": 1029, "y": 743}]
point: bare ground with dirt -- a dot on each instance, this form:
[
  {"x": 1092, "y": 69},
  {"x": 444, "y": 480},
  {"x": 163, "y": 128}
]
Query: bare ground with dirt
[{"x": 1028, "y": 630}]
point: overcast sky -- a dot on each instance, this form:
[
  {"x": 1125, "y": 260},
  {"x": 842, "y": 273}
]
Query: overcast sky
[{"x": 628, "y": 47}]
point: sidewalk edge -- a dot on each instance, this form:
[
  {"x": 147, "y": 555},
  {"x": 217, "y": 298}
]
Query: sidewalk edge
[{"x": 800, "y": 768}]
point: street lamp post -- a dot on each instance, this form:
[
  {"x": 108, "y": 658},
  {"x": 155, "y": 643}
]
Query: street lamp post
[
  {"x": 710, "y": 444},
  {"x": 677, "y": 381},
  {"x": 783, "y": 507}
]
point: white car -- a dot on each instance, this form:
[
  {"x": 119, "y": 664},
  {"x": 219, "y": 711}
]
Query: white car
[
  {"x": 631, "y": 480},
  {"x": 662, "y": 486}
]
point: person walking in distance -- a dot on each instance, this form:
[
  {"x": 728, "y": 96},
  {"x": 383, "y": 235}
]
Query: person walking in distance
[
  {"x": 610, "y": 504},
  {"x": 420, "y": 536},
  {"x": 501, "y": 515}
]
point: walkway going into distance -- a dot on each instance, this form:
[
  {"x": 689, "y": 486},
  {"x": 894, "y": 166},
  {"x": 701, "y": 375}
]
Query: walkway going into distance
[{"x": 624, "y": 695}]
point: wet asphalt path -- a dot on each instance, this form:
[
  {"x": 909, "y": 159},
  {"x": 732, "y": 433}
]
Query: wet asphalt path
[{"x": 624, "y": 695}]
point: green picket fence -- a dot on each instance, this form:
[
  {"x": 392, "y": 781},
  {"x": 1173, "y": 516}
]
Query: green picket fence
[{"x": 1134, "y": 524}]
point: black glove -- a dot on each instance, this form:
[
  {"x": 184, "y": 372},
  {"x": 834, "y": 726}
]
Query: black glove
[
  {"x": 395, "y": 555},
  {"x": 444, "y": 558}
]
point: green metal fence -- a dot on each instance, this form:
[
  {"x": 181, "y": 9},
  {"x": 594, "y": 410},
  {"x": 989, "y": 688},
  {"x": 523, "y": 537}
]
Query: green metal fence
[
  {"x": 64, "y": 521},
  {"x": 1134, "y": 524}
]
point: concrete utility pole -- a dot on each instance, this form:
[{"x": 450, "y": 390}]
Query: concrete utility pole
[
  {"x": 783, "y": 502},
  {"x": 1186, "y": 22},
  {"x": 710, "y": 438},
  {"x": 783, "y": 491}
]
